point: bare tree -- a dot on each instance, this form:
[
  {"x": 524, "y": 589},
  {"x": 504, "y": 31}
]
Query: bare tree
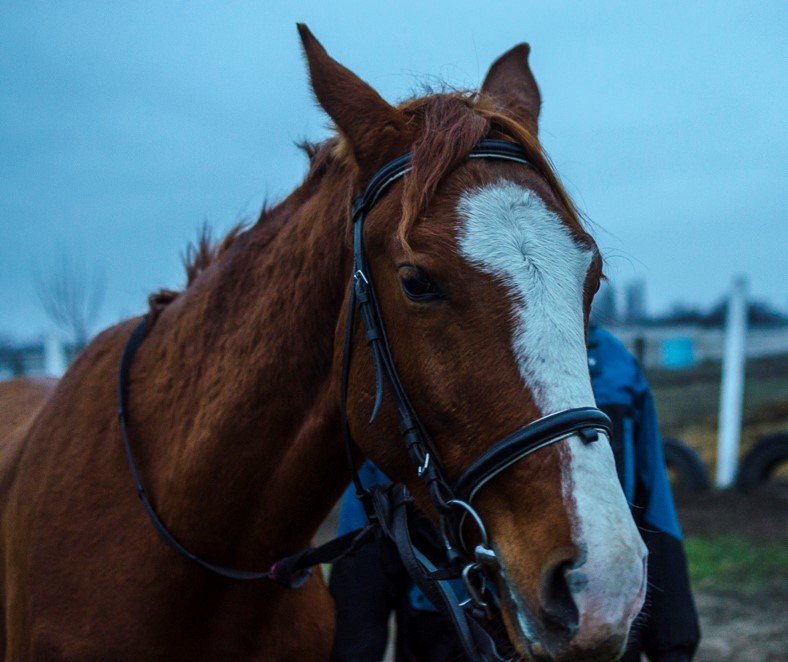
[{"x": 71, "y": 296}]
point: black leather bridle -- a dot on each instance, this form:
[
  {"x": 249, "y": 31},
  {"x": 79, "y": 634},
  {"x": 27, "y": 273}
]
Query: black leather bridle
[
  {"x": 451, "y": 498},
  {"x": 387, "y": 508}
]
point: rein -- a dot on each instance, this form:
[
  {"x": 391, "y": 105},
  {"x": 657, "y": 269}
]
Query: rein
[
  {"x": 292, "y": 571},
  {"x": 388, "y": 508}
]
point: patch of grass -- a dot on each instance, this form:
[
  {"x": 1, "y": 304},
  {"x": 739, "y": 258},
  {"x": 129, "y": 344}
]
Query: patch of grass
[{"x": 733, "y": 561}]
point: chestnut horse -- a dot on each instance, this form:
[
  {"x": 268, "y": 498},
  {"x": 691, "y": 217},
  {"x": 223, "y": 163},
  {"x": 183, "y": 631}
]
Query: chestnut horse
[{"x": 485, "y": 277}]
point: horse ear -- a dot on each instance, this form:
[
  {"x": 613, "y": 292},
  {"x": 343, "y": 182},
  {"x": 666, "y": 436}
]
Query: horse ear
[
  {"x": 511, "y": 82},
  {"x": 359, "y": 112}
]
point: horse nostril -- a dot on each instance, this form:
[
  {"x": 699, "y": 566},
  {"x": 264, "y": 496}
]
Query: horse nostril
[{"x": 558, "y": 608}]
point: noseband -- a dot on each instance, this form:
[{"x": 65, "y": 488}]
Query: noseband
[{"x": 387, "y": 508}]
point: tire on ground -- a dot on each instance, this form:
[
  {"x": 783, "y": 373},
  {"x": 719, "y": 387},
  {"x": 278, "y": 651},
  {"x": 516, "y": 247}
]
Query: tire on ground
[
  {"x": 761, "y": 460},
  {"x": 687, "y": 466}
]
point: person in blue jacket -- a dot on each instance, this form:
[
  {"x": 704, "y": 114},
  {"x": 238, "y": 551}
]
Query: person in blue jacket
[{"x": 368, "y": 586}]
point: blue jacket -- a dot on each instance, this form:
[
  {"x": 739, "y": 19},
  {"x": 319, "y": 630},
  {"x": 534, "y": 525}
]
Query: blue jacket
[{"x": 621, "y": 390}]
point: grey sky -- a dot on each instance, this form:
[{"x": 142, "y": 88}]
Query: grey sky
[{"x": 123, "y": 126}]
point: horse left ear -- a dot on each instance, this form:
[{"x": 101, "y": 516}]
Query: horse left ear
[
  {"x": 359, "y": 112},
  {"x": 511, "y": 82}
]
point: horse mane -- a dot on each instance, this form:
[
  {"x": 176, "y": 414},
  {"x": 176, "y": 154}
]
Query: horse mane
[
  {"x": 205, "y": 250},
  {"x": 451, "y": 124},
  {"x": 198, "y": 256}
]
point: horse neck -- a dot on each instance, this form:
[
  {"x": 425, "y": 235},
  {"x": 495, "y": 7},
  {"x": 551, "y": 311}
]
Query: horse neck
[{"x": 233, "y": 391}]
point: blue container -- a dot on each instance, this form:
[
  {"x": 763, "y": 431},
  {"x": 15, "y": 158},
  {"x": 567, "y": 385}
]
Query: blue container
[{"x": 678, "y": 353}]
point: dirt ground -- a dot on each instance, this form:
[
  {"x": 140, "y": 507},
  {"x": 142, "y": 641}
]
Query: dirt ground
[
  {"x": 761, "y": 515},
  {"x": 737, "y": 543},
  {"x": 747, "y": 626},
  {"x": 742, "y": 617}
]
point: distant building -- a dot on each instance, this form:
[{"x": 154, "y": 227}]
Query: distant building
[
  {"x": 635, "y": 302},
  {"x": 16, "y": 360}
]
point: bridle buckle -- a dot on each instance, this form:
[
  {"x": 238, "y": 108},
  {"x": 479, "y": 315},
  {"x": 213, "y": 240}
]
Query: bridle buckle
[
  {"x": 471, "y": 574},
  {"x": 423, "y": 466},
  {"x": 485, "y": 556}
]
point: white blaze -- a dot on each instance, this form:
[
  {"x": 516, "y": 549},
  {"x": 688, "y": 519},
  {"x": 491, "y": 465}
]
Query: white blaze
[{"x": 508, "y": 232}]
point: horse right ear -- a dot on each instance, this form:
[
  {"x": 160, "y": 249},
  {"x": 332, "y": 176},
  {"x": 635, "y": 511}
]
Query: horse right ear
[
  {"x": 362, "y": 116},
  {"x": 511, "y": 81}
]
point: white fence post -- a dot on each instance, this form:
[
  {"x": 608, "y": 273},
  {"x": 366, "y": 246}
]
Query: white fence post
[
  {"x": 732, "y": 388},
  {"x": 55, "y": 362}
]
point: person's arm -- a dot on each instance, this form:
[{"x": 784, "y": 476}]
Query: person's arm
[
  {"x": 671, "y": 631},
  {"x": 365, "y": 593},
  {"x": 366, "y": 585}
]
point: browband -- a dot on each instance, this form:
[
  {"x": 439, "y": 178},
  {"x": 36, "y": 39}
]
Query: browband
[{"x": 394, "y": 170}]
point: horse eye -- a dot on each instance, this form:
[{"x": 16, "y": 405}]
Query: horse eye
[{"x": 417, "y": 285}]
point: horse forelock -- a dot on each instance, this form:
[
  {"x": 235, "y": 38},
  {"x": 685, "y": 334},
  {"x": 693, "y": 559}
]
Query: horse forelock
[{"x": 451, "y": 125}]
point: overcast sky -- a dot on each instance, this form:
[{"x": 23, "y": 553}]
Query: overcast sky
[{"x": 124, "y": 126}]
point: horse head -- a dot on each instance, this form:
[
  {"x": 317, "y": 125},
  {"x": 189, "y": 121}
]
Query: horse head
[{"x": 484, "y": 276}]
